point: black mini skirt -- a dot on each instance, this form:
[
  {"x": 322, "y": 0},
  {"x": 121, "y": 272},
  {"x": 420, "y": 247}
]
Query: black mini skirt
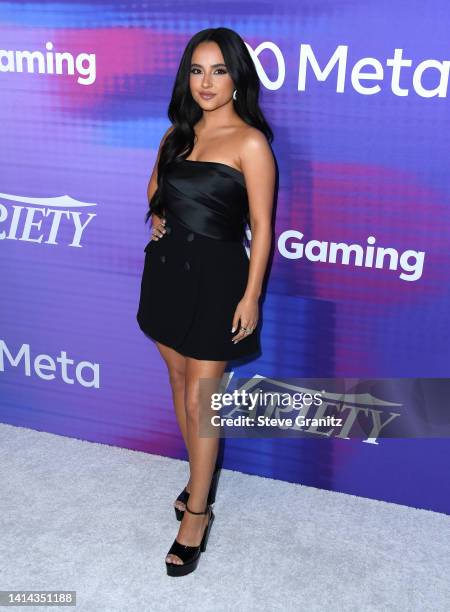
[{"x": 190, "y": 288}]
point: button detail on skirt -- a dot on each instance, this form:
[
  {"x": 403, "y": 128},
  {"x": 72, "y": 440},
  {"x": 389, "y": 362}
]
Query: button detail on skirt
[
  {"x": 187, "y": 266},
  {"x": 190, "y": 236},
  {"x": 163, "y": 258}
]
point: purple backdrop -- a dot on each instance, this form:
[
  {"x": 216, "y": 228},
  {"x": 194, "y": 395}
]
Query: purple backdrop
[{"x": 357, "y": 94}]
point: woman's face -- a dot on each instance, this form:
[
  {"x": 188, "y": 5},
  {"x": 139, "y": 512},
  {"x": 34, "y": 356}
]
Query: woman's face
[{"x": 210, "y": 83}]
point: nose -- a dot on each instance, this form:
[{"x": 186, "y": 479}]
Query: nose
[{"x": 206, "y": 80}]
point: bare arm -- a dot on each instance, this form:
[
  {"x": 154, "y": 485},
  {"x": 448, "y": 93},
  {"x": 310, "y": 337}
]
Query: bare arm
[
  {"x": 258, "y": 166},
  {"x": 157, "y": 222}
]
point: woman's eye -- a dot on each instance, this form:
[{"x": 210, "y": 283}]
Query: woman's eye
[{"x": 220, "y": 70}]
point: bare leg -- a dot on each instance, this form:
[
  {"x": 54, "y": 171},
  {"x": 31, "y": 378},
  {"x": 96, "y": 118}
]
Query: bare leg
[
  {"x": 176, "y": 366},
  {"x": 202, "y": 453}
]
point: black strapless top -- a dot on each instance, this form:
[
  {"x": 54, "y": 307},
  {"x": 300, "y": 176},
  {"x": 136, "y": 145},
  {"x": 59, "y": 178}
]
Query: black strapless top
[{"x": 209, "y": 198}]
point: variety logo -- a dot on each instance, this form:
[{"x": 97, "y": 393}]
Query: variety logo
[
  {"x": 41, "y": 219},
  {"x": 44, "y": 366},
  {"x": 287, "y": 405}
]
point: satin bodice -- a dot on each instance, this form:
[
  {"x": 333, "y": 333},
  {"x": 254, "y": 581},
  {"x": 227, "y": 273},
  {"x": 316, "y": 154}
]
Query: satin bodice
[{"x": 209, "y": 198}]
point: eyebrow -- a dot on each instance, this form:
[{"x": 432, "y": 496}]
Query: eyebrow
[{"x": 212, "y": 65}]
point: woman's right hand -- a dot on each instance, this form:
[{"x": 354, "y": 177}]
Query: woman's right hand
[{"x": 158, "y": 229}]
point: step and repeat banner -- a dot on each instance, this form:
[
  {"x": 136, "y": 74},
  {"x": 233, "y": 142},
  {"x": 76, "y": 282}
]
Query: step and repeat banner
[{"x": 357, "y": 94}]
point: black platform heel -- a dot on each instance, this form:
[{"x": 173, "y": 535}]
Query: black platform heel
[
  {"x": 190, "y": 555},
  {"x": 184, "y": 495}
]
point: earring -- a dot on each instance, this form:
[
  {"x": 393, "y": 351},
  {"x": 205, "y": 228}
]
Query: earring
[{"x": 235, "y": 94}]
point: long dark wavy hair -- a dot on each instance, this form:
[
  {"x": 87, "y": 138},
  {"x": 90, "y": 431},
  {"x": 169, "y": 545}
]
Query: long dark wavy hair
[{"x": 184, "y": 112}]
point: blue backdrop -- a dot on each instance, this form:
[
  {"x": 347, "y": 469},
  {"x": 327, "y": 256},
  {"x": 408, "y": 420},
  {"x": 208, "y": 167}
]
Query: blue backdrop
[{"x": 357, "y": 95}]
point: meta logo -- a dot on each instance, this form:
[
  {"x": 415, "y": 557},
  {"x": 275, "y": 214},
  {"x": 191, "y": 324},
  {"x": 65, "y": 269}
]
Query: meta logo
[
  {"x": 410, "y": 262},
  {"x": 365, "y": 75},
  {"x": 41, "y": 219},
  {"x": 50, "y": 62},
  {"x": 84, "y": 373}
]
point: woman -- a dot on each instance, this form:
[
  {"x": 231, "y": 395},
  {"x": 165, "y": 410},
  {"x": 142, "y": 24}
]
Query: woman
[{"x": 214, "y": 173}]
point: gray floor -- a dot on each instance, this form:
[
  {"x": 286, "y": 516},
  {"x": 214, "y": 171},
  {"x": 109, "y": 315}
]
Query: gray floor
[{"x": 98, "y": 520}]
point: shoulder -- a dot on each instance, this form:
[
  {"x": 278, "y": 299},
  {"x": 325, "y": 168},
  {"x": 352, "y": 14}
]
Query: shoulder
[
  {"x": 253, "y": 142},
  {"x": 254, "y": 146},
  {"x": 167, "y": 132},
  {"x": 161, "y": 144},
  {"x": 163, "y": 138}
]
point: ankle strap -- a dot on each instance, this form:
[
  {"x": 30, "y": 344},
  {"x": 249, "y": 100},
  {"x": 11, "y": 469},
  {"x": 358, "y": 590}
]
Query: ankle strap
[{"x": 192, "y": 512}]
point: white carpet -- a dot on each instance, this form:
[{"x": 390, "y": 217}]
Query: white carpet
[{"x": 98, "y": 519}]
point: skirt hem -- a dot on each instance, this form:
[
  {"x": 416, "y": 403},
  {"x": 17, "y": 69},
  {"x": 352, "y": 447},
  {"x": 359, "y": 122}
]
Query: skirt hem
[{"x": 195, "y": 355}]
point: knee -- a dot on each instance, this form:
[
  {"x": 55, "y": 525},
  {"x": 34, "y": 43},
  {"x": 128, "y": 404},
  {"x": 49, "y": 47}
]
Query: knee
[
  {"x": 177, "y": 378},
  {"x": 192, "y": 407}
]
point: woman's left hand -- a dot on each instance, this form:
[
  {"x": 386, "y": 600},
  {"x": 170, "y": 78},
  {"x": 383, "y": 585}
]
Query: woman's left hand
[{"x": 247, "y": 314}]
